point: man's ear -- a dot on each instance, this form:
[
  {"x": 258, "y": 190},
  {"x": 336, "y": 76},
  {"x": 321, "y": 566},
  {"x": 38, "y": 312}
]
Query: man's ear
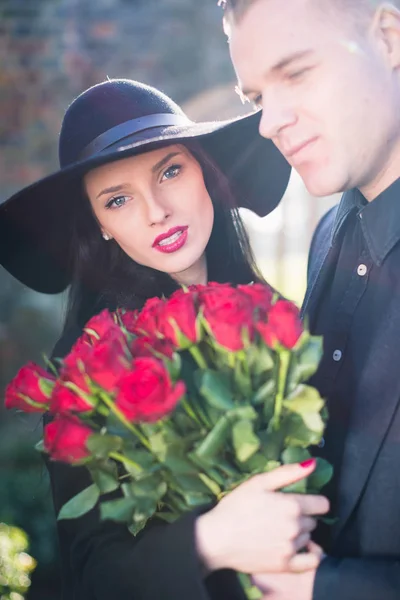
[{"x": 386, "y": 24}]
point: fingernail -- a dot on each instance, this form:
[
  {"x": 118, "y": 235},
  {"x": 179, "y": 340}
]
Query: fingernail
[{"x": 308, "y": 463}]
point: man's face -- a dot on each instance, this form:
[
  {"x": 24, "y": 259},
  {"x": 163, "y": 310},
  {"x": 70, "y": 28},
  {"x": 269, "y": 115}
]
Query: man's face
[{"x": 329, "y": 90}]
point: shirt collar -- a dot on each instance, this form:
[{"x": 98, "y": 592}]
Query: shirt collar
[{"x": 379, "y": 219}]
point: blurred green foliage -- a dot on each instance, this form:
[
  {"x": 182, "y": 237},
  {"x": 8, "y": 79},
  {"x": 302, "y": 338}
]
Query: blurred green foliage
[
  {"x": 16, "y": 564},
  {"x": 29, "y": 326}
]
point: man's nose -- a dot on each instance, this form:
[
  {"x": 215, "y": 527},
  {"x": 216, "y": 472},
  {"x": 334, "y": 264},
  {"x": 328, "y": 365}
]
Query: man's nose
[{"x": 275, "y": 117}]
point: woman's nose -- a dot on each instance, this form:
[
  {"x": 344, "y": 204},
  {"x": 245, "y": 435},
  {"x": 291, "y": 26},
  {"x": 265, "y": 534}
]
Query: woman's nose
[{"x": 157, "y": 210}]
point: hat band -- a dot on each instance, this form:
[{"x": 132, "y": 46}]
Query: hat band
[{"x": 123, "y": 130}]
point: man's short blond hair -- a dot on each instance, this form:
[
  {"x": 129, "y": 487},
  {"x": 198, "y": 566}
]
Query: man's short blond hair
[{"x": 237, "y": 8}]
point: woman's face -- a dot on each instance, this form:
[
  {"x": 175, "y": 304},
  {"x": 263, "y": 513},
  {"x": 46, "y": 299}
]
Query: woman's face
[{"x": 157, "y": 209}]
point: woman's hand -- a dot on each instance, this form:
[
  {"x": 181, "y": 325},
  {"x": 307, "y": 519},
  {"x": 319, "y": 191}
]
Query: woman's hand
[{"x": 256, "y": 529}]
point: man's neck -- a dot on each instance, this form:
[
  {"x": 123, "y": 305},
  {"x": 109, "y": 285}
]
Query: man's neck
[{"x": 387, "y": 175}]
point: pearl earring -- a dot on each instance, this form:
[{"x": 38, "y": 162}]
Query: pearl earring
[{"x": 106, "y": 237}]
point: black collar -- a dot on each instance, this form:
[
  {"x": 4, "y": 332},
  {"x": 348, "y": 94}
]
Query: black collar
[{"x": 380, "y": 219}]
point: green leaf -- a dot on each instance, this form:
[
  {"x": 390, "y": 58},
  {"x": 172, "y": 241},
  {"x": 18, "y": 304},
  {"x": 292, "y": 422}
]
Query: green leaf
[
  {"x": 179, "y": 465},
  {"x": 194, "y": 500},
  {"x": 173, "y": 365},
  {"x": 265, "y": 392},
  {"x": 80, "y": 504},
  {"x": 187, "y": 483},
  {"x": 272, "y": 443},
  {"x": 152, "y": 488},
  {"x": 252, "y": 592},
  {"x": 105, "y": 477},
  {"x": 294, "y": 454},
  {"x": 46, "y": 386},
  {"x": 214, "y": 441},
  {"x": 245, "y": 441},
  {"x": 304, "y": 400},
  {"x": 242, "y": 381},
  {"x": 136, "y": 528},
  {"x": 299, "y": 487},
  {"x": 119, "y": 510},
  {"x": 168, "y": 517},
  {"x": 211, "y": 484},
  {"x": 215, "y": 388},
  {"x": 297, "y": 433},
  {"x": 40, "y": 446},
  {"x": 101, "y": 445},
  {"x": 159, "y": 445},
  {"x": 320, "y": 476},
  {"x": 260, "y": 359},
  {"x": 256, "y": 464},
  {"x": 308, "y": 357}
]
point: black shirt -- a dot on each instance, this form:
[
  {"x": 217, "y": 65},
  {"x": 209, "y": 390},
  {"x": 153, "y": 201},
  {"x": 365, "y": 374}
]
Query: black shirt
[{"x": 365, "y": 279}]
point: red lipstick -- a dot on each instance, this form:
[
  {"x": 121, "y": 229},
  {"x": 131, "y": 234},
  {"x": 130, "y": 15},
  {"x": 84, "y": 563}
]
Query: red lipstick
[{"x": 172, "y": 240}]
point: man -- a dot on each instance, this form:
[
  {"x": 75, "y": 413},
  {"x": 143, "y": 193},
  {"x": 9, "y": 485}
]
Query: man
[{"x": 327, "y": 75}]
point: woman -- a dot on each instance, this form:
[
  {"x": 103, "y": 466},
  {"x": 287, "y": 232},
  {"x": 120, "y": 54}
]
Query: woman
[{"x": 143, "y": 203}]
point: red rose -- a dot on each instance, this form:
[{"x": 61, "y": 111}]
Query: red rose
[
  {"x": 30, "y": 390},
  {"x": 284, "y": 325},
  {"x": 128, "y": 319},
  {"x": 148, "y": 320},
  {"x": 147, "y": 346},
  {"x": 192, "y": 289},
  {"x": 65, "y": 439},
  {"x": 73, "y": 367},
  {"x": 228, "y": 312},
  {"x": 179, "y": 312},
  {"x": 108, "y": 360},
  {"x": 147, "y": 393},
  {"x": 100, "y": 325},
  {"x": 81, "y": 343},
  {"x": 260, "y": 295},
  {"x": 65, "y": 401}
]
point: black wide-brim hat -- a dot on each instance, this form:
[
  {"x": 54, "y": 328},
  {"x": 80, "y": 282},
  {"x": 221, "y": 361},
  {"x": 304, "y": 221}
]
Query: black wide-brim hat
[{"x": 113, "y": 120}]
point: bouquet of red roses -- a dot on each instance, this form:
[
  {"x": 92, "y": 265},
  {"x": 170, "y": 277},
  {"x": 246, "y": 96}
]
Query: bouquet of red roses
[{"x": 174, "y": 406}]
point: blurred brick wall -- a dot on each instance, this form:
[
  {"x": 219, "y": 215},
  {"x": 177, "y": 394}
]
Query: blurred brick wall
[{"x": 51, "y": 50}]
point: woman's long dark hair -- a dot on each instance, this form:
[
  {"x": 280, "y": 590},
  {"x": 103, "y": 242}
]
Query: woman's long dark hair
[{"x": 104, "y": 276}]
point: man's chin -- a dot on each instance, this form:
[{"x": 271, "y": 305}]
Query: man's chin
[{"x": 320, "y": 184}]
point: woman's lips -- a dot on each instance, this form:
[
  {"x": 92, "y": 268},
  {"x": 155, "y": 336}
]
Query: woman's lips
[{"x": 172, "y": 240}]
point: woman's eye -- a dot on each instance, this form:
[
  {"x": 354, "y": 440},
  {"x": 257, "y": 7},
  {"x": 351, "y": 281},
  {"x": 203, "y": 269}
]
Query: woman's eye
[
  {"x": 117, "y": 201},
  {"x": 172, "y": 172}
]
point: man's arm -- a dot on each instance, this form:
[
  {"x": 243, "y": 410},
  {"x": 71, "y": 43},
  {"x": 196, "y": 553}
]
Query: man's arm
[{"x": 357, "y": 579}]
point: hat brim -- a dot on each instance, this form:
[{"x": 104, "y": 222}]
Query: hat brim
[{"x": 36, "y": 223}]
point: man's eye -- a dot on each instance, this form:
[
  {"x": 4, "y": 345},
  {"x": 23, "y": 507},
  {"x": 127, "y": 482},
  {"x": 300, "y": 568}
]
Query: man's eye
[
  {"x": 257, "y": 101},
  {"x": 296, "y": 74},
  {"x": 172, "y": 172},
  {"x": 116, "y": 202}
]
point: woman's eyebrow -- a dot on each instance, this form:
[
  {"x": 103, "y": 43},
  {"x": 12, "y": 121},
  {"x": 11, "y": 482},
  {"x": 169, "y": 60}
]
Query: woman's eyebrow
[{"x": 163, "y": 161}]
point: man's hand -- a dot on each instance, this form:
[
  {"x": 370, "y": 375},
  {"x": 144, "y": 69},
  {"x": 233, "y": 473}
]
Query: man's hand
[
  {"x": 290, "y": 586},
  {"x": 286, "y": 586}
]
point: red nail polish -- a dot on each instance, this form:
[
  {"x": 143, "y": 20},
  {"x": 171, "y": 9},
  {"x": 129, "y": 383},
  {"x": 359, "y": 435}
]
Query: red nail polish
[{"x": 308, "y": 463}]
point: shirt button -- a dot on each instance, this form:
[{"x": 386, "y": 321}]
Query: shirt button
[
  {"x": 337, "y": 355},
  {"x": 362, "y": 270}
]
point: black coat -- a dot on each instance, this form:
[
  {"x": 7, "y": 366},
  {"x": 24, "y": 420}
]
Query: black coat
[{"x": 103, "y": 561}]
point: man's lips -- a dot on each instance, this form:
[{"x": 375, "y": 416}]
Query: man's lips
[
  {"x": 170, "y": 238},
  {"x": 291, "y": 151}
]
